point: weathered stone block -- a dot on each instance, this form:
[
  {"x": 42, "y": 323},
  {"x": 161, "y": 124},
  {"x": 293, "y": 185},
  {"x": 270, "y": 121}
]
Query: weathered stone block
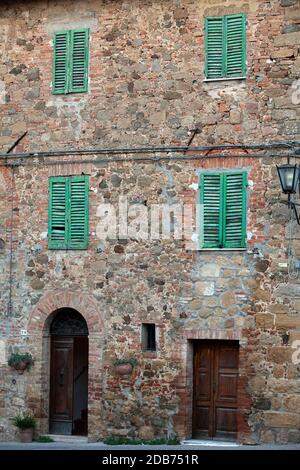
[
  {"x": 287, "y": 322},
  {"x": 286, "y": 40},
  {"x": 146, "y": 433},
  {"x": 288, "y": 3},
  {"x": 228, "y": 299},
  {"x": 279, "y": 355},
  {"x": 281, "y": 420},
  {"x": 204, "y": 288},
  {"x": 292, "y": 403},
  {"x": 264, "y": 320},
  {"x": 100, "y": 267},
  {"x": 37, "y": 284},
  {"x": 210, "y": 270},
  {"x": 283, "y": 52}
]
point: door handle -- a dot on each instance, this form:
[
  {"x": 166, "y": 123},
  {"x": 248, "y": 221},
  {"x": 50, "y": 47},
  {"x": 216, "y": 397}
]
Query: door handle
[{"x": 61, "y": 379}]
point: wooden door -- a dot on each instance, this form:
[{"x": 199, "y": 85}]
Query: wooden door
[
  {"x": 215, "y": 389},
  {"x": 61, "y": 385},
  {"x": 80, "y": 386}
]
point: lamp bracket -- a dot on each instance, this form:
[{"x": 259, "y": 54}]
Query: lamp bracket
[{"x": 294, "y": 206}]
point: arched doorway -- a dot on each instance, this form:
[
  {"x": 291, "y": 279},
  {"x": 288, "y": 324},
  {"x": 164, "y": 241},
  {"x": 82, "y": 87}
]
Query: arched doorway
[{"x": 69, "y": 373}]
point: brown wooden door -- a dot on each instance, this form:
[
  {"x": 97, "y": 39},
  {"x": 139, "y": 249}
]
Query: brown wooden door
[
  {"x": 61, "y": 385},
  {"x": 215, "y": 389},
  {"x": 80, "y": 386}
]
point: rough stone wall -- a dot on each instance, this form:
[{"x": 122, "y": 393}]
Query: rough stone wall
[
  {"x": 146, "y": 88},
  {"x": 146, "y": 63}
]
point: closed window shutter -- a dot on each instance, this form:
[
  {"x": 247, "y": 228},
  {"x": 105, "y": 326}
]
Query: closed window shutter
[
  {"x": 79, "y": 40},
  {"x": 211, "y": 192},
  {"x": 78, "y": 215},
  {"x": 214, "y": 47},
  {"x": 58, "y": 210},
  {"x": 225, "y": 46},
  {"x": 235, "y": 27},
  {"x": 60, "y": 62},
  {"x": 223, "y": 199},
  {"x": 234, "y": 227}
]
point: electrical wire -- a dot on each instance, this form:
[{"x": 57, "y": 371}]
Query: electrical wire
[
  {"x": 154, "y": 158},
  {"x": 159, "y": 149}
]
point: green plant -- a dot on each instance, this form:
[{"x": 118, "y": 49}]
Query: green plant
[
  {"x": 129, "y": 360},
  {"x": 24, "y": 421},
  {"x": 17, "y": 358},
  {"x": 44, "y": 439},
  {"x": 117, "y": 441},
  {"x": 171, "y": 441}
]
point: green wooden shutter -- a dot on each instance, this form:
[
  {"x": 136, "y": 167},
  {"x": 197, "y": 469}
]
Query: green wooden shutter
[
  {"x": 235, "y": 38},
  {"x": 234, "y": 226},
  {"x": 79, "y": 47},
  {"x": 211, "y": 199},
  {"x": 214, "y": 47},
  {"x": 58, "y": 210},
  {"x": 68, "y": 213},
  {"x": 225, "y": 46},
  {"x": 60, "y": 63},
  {"x": 78, "y": 213}
]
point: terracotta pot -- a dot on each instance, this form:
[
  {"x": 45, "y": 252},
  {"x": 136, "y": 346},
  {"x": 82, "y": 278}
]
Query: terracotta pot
[
  {"x": 26, "y": 435},
  {"x": 124, "y": 369},
  {"x": 21, "y": 366}
]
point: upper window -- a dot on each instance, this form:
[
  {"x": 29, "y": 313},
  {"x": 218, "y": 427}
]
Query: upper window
[
  {"x": 225, "y": 47},
  {"x": 223, "y": 209},
  {"x": 70, "y": 61},
  {"x": 68, "y": 213}
]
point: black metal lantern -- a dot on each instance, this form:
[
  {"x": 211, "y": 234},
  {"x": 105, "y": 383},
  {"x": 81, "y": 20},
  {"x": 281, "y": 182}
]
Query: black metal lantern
[{"x": 289, "y": 177}]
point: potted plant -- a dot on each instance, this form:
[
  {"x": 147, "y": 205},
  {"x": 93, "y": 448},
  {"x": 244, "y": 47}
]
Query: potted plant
[
  {"x": 20, "y": 361},
  {"x": 26, "y": 423},
  {"x": 125, "y": 366}
]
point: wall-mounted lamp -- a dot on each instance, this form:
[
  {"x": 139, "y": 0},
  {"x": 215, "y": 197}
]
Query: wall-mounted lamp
[{"x": 289, "y": 180}]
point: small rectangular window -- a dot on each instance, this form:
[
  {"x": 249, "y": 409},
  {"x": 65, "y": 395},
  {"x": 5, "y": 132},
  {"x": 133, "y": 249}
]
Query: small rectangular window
[
  {"x": 148, "y": 337},
  {"x": 70, "y": 61},
  {"x": 225, "y": 47}
]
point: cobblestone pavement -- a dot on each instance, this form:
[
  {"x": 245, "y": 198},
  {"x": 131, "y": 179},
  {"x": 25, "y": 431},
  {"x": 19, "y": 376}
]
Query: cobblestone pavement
[{"x": 102, "y": 447}]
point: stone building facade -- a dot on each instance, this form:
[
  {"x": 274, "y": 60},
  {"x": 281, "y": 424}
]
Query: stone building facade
[{"x": 147, "y": 88}]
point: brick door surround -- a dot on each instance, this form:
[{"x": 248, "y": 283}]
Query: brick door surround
[{"x": 37, "y": 396}]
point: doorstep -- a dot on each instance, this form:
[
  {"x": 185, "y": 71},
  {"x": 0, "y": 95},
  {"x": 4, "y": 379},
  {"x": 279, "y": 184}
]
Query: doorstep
[
  {"x": 66, "y": 438},
  {"x": 197, "y": 442}
]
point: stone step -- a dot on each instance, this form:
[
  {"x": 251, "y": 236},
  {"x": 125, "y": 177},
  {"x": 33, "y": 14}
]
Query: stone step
[
  {"x": 197, "y": 442},
  {"x": 66, "y": 438}
]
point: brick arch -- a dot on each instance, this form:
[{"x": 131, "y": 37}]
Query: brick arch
[
  {"x": 54, "y": 300},
  {"x": 39, "y": 342}
]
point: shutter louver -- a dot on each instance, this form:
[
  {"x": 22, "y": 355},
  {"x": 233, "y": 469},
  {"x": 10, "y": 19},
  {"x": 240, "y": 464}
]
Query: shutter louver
[
  {"x": 234, "y": 228},
  {"x": 235, "y": 45},
  {"x": 79, "y": 60},
  {"x": 211, "y": 191},
  {"x": 78, "y": 216},
  {"x": 214, "y": 47},
  {"x": 57, "y": 230},
  {"x": 60, "y": 63}
]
